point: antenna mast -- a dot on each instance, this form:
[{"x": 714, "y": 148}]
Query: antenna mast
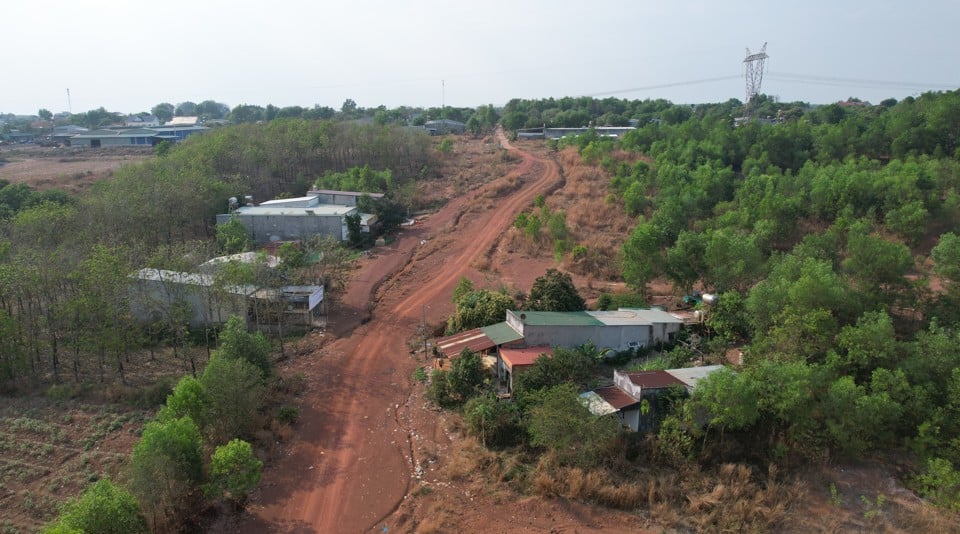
[
  {"x": 753, "y": 71},
  {"x": 69, "y": 105}
]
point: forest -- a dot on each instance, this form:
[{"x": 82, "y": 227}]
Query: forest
[{"x": 828, "y": 234}]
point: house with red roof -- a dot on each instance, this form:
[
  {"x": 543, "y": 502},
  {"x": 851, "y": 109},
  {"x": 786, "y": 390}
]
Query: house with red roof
[
  {"x": 634, "y": 396},
  {"x": 516, "y": 360}
]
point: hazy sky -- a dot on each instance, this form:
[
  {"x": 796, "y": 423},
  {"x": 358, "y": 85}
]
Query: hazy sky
[{"x": 130, "y": 55}]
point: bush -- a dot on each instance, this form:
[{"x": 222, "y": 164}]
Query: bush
[
  {"x": 103, "y": 508},
  {"x": 288, "y": 414},
  {"x": 496, "y": 423}
]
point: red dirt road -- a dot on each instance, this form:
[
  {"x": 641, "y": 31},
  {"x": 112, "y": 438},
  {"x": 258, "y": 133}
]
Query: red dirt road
[{"x": 351, "y": 465}]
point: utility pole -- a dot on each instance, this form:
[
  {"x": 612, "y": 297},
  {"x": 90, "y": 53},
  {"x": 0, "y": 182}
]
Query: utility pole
[{"x": 69, "y": 105}]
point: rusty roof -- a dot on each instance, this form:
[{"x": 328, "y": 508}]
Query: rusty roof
[
  {"x": 616, "y": 397},
  {"x": 475, "y": 340},
  {"x": 523, "y": 357},
  {"x": 654, "y": 379}
]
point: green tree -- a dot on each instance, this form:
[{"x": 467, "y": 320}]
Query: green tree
[
  {"x": 45, "y": 114},
  {"x": 234, "y": 472},
  {"x": 554, "y": 291},
  {"x": 464, "y": 286},
  {"x": 466, "y": 375},
  {"x": 233, "y": 237},
  {"x": 576, "y": 366},
  {"x": 163, "y": 111},
  {"x": 496, "y": 423},
  {"x": 104, "y": 508},
  {"x": 236, "y": 343},
  {"x": 480, "y": 308},
  {"x": 166, "y": 466},
  {"x": 187, "y": 399},
  {"x": 946, "y": 255},
  {"x": 561, "y": 423},
  {"x": 234, "y": 391}
]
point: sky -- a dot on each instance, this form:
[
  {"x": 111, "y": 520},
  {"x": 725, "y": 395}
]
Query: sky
[{"x": 127, "y": 56}]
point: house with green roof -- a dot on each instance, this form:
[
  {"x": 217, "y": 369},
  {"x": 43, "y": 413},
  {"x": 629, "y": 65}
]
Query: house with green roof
[{"x": 621, "y": 329}]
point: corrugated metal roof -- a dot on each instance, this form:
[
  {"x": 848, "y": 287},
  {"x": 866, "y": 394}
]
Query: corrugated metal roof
[
  {"x": 634, "y": 316},
  {"x": 475, "y": 340},
  {"x": 342, "y": 193},
  {"x": 286, "y": 211},
  {"x": 282, "y": 201},
  {"x": 596, "y": 404},
  {"x": 524, "y": 356},
  {"x": 654, "y": 379},
  {"x": 501, "y": 333},
  {"x": 691, "y": 375},
  {"x": 195, "y": 279},
  {"x": 539, "y": 318},
  {"x": 616, "y": 397}
]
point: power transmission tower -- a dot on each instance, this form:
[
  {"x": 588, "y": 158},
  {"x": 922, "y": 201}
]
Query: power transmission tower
[{"x": 753, "y": 71}]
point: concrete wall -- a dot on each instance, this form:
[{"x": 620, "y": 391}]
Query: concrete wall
[
  {"x": 152, "y": 300},
  {"x": 617, "y": 337},
  {"x": 266, "y": 228}
]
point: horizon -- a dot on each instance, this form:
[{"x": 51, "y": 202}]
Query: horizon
[{"x": 425, "y": 53}]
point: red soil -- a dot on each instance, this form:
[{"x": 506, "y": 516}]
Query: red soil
[{"x": 362, "y": 423}]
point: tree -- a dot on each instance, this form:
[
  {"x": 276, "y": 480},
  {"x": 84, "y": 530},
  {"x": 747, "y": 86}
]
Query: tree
[
  {"x": 163, "y": 111},
  {"x": 561, "y": 423},
  {"x": 45, "y": 114},
  {"x": 187, "y": 399},
  {"x": 185, "y": 109},
  {"x": 234, "y": 472},
  {"x": 233, "y": 237},
  {"x": 234, "y": 391},
  {"x": 166, "y": 466},
  {"x": 554, "y": 291},
  {"x": 480, "y": 308},
  {"x": 355, "y": 234},
  {"x": 466, "y": 374},
  {"x": 575, "y": 366},
  {"x": 464, "y": 286},
  {"x": 496, "y": 423},
  {"x": 236, "y": 343},
  {"x": 104, "y": 508},
  {"x": 946, "y": 254}
]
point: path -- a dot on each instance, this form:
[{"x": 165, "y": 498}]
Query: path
[{"x": 350, "y": 465}]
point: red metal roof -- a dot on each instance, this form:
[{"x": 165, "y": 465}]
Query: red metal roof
[
  {"x": 523, "y": 357},
  {"x": 615, "y": 397},
  {"x": 474, "y": 340},
  {"x": 654, "y": 379}
]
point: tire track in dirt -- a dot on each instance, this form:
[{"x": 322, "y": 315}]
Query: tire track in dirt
[{"x": 351, "y": 465}]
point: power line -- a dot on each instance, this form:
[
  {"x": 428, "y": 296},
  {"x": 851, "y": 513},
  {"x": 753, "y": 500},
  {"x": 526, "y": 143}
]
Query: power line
[
  {"x": 664, "y": 86},
  {"x": 856, "y": 82}
]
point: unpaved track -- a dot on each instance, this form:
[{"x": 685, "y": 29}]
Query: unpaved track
[{"x": 350, "y": 465}]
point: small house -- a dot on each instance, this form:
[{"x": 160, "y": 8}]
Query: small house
[{"x": 512, "y": 361}]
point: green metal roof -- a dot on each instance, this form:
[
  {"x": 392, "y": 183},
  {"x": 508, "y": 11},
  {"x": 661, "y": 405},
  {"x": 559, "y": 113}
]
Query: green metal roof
[
  {"x": 538, "y": 318},
  {"x": 501, "y": 333}
]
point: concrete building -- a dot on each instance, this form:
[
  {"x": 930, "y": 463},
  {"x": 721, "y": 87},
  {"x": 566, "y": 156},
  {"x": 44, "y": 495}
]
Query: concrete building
[
  {"x": 631, "y": 389},
  {"x": 618, "y": 330},
  {"x": 320, "y": 212},
  {"x": 154, "y": 293},
  {"x": 144, "y": 137},
  {"x": 271, "y": 223},
  {"x": 339, "y": 198},
  {"x": 444, "y": 126}
]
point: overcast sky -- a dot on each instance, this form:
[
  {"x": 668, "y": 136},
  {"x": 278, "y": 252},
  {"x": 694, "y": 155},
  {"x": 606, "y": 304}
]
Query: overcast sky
[{"x": 130, "y": 55}]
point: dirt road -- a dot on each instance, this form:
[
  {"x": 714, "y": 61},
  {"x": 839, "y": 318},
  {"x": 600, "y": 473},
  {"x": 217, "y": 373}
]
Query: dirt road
[{"x": 350, "y": 465}]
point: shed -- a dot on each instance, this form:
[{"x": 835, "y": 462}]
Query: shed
[
  {"x": 154, "y": 293},
  {"x": 517, "y": 360},
  {"x": 283, "y": 223}
]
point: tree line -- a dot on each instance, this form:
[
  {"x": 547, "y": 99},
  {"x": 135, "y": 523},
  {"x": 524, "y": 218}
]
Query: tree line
[
  {"x": 829, "y": 235},
  {"x": 65, "y": 261}
]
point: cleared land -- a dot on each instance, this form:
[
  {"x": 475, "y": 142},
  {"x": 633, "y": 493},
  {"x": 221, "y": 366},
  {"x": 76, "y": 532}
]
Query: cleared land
[{"x": 71, "y": 169}]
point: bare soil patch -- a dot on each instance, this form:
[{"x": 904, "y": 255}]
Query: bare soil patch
[{"x": 70, "y": 169}]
